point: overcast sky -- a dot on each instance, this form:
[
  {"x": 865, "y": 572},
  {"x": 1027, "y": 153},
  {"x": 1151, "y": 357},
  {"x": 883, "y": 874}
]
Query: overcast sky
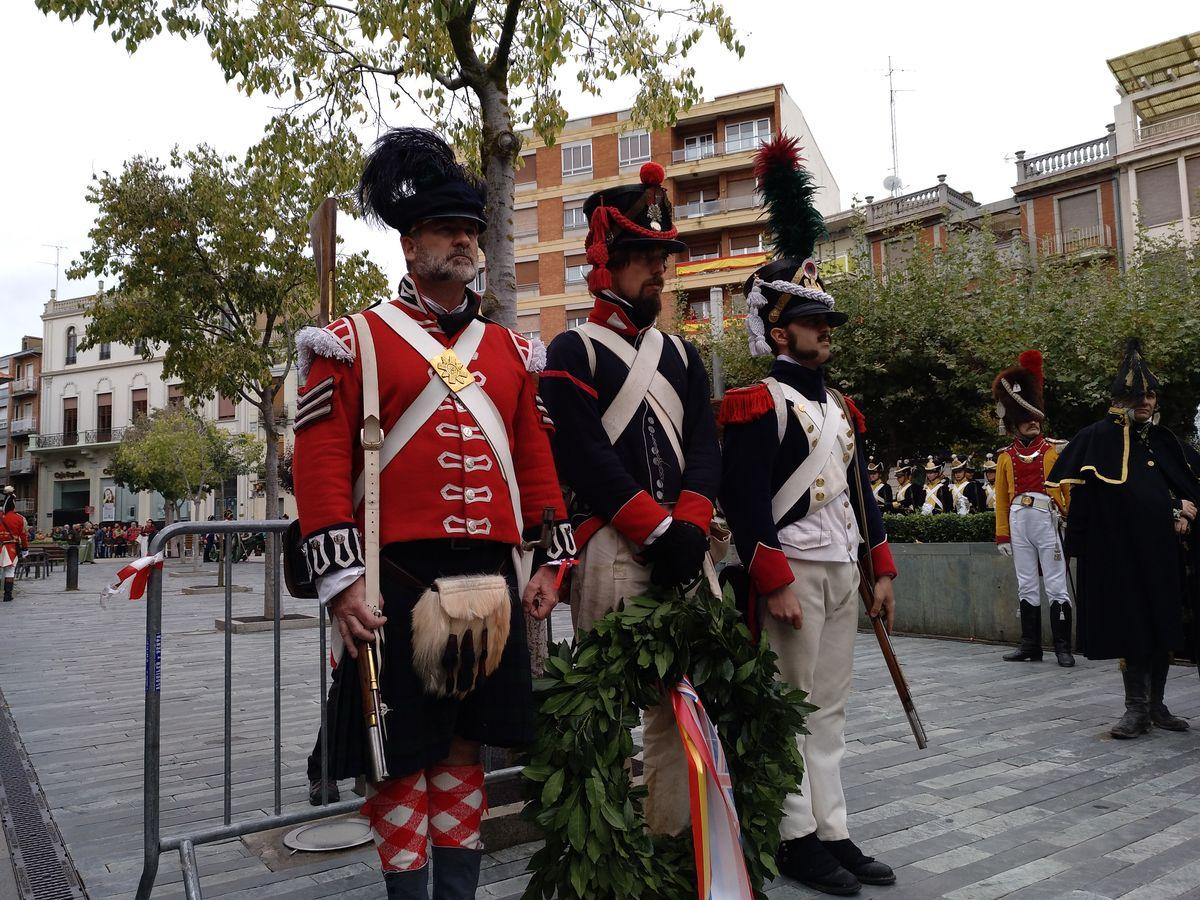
[{"x": 979, "y": 82}]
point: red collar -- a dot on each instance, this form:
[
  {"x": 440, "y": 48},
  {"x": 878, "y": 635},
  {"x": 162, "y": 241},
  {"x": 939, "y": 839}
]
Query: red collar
[
  {"x": 1029, "y": 449},
  {"x": 612, "y": 315}
]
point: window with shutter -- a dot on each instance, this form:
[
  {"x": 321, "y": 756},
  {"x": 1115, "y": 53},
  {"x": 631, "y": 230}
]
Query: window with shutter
[
  {"x": 527, "y": 174},
  {"x": 527, "y": 275},
  {"x": 1192, "y": 166},
  {"x": 525, "y": 222},
  {"x": 1158, "y": 194},
  {"x": 1079, "y": 216}
]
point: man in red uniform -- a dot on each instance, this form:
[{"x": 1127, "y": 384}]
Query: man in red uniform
[
  {"x": 465, "y": 474},
  {"x": 14, "y": 540},
  {"x": 1027, "y": 511}
]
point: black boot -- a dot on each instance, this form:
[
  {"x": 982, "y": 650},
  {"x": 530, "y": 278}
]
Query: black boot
[
  {"x": 1159, "y": 714},
  {"x": 1060, "y": 627},
  {"x": 8, "y": 586},
  {"x": 413, "y": 885},
  {"x": 866, "y": 869},
  {"x": 810, "y": 862},
  {"x": 1030, "y": 648},
  {"x": 1136, "y": 720},
  {"x": 455, "y": 873}
]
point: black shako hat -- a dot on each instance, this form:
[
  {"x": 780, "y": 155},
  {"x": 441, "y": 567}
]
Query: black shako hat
[
  {"x": 411, "y": 176},
  {"x": 631, "y": 215},
  {"x": 1134, "y": 379},
  {"x": 790, "y": 286}
]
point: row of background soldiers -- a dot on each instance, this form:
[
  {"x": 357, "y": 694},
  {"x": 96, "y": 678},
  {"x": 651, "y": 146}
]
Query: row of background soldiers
[{"x": 959, "y": 492}]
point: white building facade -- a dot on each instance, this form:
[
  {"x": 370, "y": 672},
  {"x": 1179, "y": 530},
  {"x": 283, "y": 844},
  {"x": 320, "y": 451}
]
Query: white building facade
[{"x": 88, "y": 401}]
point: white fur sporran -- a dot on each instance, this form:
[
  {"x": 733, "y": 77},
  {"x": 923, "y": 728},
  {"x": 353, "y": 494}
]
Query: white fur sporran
[{"x": 460, "y": 627}]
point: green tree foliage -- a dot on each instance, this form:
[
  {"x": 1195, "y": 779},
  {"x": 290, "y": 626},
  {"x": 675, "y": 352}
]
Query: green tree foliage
[
  {"x": 211, "y": 257},
  {"x": 923, "y": 343},
  {"x": 183, "y": 457},
  {"x": 479, "y": 69}
]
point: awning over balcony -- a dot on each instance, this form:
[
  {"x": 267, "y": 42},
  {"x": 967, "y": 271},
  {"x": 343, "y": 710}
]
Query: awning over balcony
[
  {"x": 1157, "y": 65},
  {"x": 746, "y": 261}
]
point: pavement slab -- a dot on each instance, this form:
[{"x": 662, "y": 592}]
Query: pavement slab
[{"x": 1020, "y": 794}]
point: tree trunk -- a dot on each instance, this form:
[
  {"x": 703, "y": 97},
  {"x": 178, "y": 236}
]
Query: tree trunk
[
  {"x": 271, "y": 488},
  {"x": 498, "y": 153}
]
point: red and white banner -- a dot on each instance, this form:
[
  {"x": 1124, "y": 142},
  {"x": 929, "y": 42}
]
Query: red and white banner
[{"x": 137, "y": 573}]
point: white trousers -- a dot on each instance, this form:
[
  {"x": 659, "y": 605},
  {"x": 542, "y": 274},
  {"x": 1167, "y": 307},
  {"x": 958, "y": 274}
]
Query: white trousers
[
  {"x": 607, "y": 572},
  {"x": 819, "y": 660},
  {"x": 1035, "y": 542}
]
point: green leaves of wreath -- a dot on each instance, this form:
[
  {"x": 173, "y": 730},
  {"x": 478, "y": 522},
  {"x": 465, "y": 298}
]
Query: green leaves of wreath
[{"x": 579, "y": 790}]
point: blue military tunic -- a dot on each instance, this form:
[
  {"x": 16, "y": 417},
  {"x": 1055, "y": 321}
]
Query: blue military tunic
[
  {"x": 638, "y": 480},
  {"x": 757, "y": 463}
]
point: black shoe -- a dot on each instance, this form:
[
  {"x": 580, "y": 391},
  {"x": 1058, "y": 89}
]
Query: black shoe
[
  {"x": 314, "y": 791},
  {"x": 1060, "y": 627},
  {"x": 866, "y": 869},
  {"x": 1160, "y": 716},
  {"x": 455, "y": 873},
  {"x": 809, "y": 862},
  {"x": 412, "y": 885},
  {"x": 1030, "y": 648},
  {"x": 1136, "y": 720}
]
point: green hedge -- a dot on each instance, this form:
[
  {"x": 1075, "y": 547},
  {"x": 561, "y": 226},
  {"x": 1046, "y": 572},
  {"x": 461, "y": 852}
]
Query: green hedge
[{"x": 943, "y": 528}]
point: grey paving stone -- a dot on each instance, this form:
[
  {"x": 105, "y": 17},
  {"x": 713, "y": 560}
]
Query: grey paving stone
[{"x": 1020, "y": 794}]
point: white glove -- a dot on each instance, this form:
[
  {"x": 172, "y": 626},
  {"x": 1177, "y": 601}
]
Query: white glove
[
  {"x": 1005, "y": 550},
  {"x": 927, "y": 509}
]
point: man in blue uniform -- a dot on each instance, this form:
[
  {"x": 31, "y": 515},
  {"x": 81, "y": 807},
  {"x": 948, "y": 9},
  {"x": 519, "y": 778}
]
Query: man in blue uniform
[
  {"x": 636, "y": 444},
  {"x": 793, "y": 488}
]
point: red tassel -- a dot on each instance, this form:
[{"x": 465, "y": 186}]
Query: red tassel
[
  {"x": 599, "y": 279},
  {"x": 860, "y": 421},
  {"x": 746, "y": 404}
]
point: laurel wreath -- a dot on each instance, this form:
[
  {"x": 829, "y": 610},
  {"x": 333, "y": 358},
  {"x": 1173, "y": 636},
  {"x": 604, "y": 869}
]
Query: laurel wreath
[{"x": 578, "y": 789}]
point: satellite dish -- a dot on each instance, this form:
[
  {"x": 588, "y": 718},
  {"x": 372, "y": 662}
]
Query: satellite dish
[{"x": 892, "y": 183}]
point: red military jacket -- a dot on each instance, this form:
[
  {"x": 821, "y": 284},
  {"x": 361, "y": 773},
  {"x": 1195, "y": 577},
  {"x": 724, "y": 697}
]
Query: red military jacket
[
  {"x": 446, "y": 482},
  {"x": 14, "y": 536}
]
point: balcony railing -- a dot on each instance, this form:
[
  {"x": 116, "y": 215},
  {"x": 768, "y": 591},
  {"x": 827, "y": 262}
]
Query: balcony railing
[
  {"x": 1059, "y": 161},
  {"x": 283, "y": 415},
  {"x": 1077, "y": 240},
  {"x": 23, "y": 426},
  {"x": 1186, "y": 122},
  {"x": 699, "y": 208},
  {"x": 26, "y": 385},
  {"x": 77, "y": 438},
  {"x": 718, "y": 148},
  {"x": 940, "y": 195},
  {"x": 20, "y": 465}
]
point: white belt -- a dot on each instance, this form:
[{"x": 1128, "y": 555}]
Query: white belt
[{"x": 1037, "y": 501}]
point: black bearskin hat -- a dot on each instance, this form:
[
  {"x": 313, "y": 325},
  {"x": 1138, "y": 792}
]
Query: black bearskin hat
[
  {"x": 1018, "y": 391},
  {"x": 1134, "y": 379},
  {"x": 411, "y": 176}
]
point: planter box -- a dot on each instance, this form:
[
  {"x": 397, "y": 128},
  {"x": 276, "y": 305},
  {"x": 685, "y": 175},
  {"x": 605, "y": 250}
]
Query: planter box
[{"x": 963, "y": 591}]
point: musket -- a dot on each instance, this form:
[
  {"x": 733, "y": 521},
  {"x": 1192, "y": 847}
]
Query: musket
[
  {"x": 866, "y": 590},
  {"x": 322, "y": 231}
]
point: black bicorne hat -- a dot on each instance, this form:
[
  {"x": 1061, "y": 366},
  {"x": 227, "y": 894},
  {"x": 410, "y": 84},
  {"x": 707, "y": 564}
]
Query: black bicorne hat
[
  {"x": 874, "y": 465},
  {"x": 411, "y": 176},
  {"x": 1134, "y": 379},
  {"x": 629, "y": 215},
  {"x": 790, "y": 286},
  {"x": 904, "y": 467}
]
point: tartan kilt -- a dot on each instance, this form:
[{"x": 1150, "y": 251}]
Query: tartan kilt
[{"x": 499, "y": 712}]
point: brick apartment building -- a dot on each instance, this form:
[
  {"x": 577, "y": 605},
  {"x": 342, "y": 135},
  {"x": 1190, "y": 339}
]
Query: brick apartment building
[
  {"x": 707, "y": 157},
  {"x": 22, "y": 418}
]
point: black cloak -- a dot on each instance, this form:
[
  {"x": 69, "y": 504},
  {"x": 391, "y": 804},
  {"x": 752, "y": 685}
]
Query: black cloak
[{"x": 1136, "y": 588}]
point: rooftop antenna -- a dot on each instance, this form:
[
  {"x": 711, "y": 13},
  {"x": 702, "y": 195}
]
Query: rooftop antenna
[
  {"x": 893, "y": 183},
  {"x": 58, "y": 249}
]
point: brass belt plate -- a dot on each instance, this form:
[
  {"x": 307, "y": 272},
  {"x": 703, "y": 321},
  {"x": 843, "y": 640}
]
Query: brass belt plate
[
  {"x": 448, "y": 367},
  {"x": 1027, "y": 500}
]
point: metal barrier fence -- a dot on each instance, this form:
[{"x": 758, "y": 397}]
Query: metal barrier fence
[{"x": 185, "y": 842}]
